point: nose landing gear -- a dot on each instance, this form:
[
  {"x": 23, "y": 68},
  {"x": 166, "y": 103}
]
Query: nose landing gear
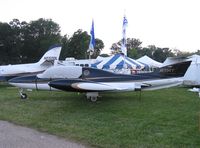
[{"x": 22, "y": 94}]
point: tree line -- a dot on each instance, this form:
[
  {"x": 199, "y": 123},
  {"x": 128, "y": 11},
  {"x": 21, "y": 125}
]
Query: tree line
[
  {"x": 22, "y": 42},
  {"x": 135, "y": 50}
]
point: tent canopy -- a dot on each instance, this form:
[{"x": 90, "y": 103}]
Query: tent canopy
[
  {"x": 146, "y": 67},
  {"x": 118, "y": 61},
  {"x": 150, "y": 62}
]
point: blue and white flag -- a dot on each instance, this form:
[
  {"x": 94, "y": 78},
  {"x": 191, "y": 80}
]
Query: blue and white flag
[
  {"x": 92, "y": 39},
  {"x": 123, "y": 46}
]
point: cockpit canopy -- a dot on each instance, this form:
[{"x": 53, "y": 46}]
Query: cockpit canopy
[{"x": 62, "y": 72}]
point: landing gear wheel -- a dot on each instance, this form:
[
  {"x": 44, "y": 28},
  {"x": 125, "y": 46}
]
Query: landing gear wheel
[
  {"x": 23, "y": 96},
  {"x": 92, "y": 96},
  {"x": 93, "y": 99}
]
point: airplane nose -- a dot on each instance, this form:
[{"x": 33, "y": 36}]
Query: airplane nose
[
  {"x": 1, "y": 72},
  {"x": 2, "y": 78},
  {"x": 23, "y": 82},
  {"x": 16, "y": 80}
]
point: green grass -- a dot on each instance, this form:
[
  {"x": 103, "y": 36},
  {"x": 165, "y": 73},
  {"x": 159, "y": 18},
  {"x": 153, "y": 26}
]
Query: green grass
[{"x": 164, "y": 118}]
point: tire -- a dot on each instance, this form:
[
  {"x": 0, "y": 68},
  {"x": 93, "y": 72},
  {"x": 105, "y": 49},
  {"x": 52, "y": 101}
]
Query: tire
[
  {"x": 23, "y": 96},
  {"x": 93, "y": 99}
]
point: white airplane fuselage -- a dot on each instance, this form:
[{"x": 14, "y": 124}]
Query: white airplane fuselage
[{"x": 9, "y": 71}]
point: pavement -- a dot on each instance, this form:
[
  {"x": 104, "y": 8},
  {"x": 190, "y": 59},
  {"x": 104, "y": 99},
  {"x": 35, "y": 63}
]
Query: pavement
[{"x": 14, "y": 136}]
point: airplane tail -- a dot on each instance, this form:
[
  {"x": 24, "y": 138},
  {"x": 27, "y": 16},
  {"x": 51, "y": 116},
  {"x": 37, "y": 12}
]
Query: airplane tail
[
  {"x": 174, "y": 70},
  {"x": 51, "y": 55}
]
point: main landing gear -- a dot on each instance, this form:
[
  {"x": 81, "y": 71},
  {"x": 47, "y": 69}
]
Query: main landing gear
[
  {"x": 22, "y": 94},
  {"x": 92, "y": 96}
]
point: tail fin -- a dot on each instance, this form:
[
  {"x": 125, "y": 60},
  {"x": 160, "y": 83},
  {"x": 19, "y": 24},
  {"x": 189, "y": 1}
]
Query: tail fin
[
  {"x": 174, "y": 70},
  {"x": 51, "y": 55}
]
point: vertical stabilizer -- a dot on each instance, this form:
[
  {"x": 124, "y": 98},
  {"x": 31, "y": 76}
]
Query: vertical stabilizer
[
  {"x": 174, "y": 70},
  {"x": 51, "y": 55}
]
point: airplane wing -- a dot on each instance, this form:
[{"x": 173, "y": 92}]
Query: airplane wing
[{"x": 12, "y": 70}]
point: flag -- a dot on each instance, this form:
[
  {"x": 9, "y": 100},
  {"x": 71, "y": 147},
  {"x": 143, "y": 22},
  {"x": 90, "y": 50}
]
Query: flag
[
  {"x": 92, "y": 39},
  {"x": 123, "y": 46}
]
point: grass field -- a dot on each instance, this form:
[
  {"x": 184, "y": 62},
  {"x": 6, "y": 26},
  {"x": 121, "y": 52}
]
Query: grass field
[{"x": 164, "y": 118}]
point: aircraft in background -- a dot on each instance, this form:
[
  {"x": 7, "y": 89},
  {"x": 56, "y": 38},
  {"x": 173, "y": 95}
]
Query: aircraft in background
[
  {"x": 10, "y": 71},
  {"x": 94, "y": 81}
]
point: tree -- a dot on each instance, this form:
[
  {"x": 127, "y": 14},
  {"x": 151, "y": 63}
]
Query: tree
[
  {"x": 197, "y": 52},
  {"x": 38, "y": 36},
  {"x": 65, "y": 46},
  {"x": 132, "y": 45},
  {"x": 133, "y": 53},
  {"x": 17, "y": 28},
  {"x": 104, "y": 55},
  {"x": 179, "y": 53},
  {"x": 78, "y": 44},
  {"x": 99, "y": 45},
  {"x": 10, "y": 41},
  {"x": 161, "y": 54},
  {"x": 149, "y": 51},
  {"x": 115, "y": 48},
  {"x": 5, "y": 41},
  {"x": 27, "y": 42}
]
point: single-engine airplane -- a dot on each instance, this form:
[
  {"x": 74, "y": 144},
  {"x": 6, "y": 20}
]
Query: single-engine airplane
[
  {"x": 10, "y": 71},
  {"x": 94, "y": 81}
]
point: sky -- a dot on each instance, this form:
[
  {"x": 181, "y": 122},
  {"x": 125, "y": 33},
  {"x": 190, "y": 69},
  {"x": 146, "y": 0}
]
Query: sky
[{"x": 163, "y": 23}]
